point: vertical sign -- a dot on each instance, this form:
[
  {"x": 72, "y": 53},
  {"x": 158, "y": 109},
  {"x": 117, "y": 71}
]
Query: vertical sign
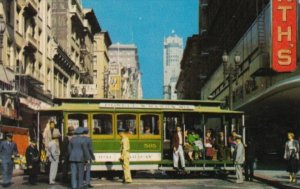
[{"x": 284, "y": 35}]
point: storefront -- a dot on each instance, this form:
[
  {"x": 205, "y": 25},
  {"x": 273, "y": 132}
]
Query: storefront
[{"x": 29, "y": 107}]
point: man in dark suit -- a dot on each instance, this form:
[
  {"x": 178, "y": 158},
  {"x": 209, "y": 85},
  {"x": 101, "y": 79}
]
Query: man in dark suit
[
  {"x": 249, "y": 160},
  {"x": 89, "y": 159},
  {"x": 177, "y": 146},
  {"x": 65, "y": 154},
  {"x": 8, "y": 151},
  {"x": 78, "y": 154},
  {"x": 33, "y": 162}
]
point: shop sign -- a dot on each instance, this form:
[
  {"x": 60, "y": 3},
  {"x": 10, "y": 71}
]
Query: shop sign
[
  {"x": 284, "y": 35},
  {"x": 114, "y": 83},
  {"x": 34, "y": 103},
  {"x": 114, "y": 68},
  {"x": 84, "y": 89}
]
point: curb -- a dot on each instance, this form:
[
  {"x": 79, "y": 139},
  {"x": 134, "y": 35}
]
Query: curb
[{"x": 273, "y": 182}]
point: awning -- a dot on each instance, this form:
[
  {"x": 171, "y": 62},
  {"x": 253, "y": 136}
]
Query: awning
[
  {"x": 32, "y": 80},
  {"x": 13, "y": 129}
]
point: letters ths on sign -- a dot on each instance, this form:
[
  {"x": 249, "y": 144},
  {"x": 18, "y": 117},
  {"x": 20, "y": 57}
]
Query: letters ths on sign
[{"x": 284, "y": 35}]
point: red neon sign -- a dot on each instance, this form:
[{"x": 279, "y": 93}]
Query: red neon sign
[{"x": 284, "y": 35}]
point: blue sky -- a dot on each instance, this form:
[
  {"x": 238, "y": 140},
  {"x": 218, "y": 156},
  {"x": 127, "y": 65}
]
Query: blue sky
[{"x": 145, "y": 23}]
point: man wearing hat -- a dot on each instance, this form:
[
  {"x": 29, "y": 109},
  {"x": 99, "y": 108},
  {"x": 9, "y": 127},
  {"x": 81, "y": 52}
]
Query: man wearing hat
[
  {"x": 124, "y": 159},
  {"x": 53, "y": 155},
  {"x": 239, "y": 158},
  {"x": 89, "y": 158},
  {"x": 32, "y": 160},
  {"x": 78, "y": 154},
  {"x": 65, "y": 153},
  {"x": 8, "y": 151}
]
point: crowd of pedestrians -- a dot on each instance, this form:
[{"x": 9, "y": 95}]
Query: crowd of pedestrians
[{"x": 75, "y": 152}]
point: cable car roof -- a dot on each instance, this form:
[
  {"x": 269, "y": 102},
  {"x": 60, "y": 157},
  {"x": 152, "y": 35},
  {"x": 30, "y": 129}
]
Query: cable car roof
[{"x": 84, "y": 104}]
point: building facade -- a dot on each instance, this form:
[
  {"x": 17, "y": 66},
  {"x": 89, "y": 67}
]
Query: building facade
[
  {"x": 26, "y": 54},
  {"x": 172, "y": 54},
  {"x": 102, "y": 42},
  {"x": 47, "y": 49},
  {"x": 268, "y": 98},
  {"x": 124, "y": 72},
  {"x": 73, "y": 29}
]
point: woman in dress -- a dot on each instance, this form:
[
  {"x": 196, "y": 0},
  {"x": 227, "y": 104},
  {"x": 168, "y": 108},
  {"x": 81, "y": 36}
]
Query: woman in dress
[
  {"x": 209, "y": 142},
  {"x": 291, "y": 154}
]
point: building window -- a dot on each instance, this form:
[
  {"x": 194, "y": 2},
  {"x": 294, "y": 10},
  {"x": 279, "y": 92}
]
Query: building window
[
  {"x": 127, "y": 122},
  {"x": 149, "y": 125},
  {"x": 40, "y": 39},
  {"x": 102, "y": 124},
  {"x": 55, "y": 85},
  {"x": 9, "y": 50},
  {"x": 8, "y": 12},
  {"x": 48, "y": 83},
  {"x": 49, "y": 15},
  {"x": 95, "y": 60},
  {"x": 95, "y": 75},
  {"x": 48, "y": 46},
  {"x": 65, "y": 88},
  {"x": 77, "y": 120}
]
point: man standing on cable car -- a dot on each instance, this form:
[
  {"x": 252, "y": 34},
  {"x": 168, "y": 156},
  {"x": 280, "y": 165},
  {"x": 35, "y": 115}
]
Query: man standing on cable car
[{"x": 177, "y": 142}]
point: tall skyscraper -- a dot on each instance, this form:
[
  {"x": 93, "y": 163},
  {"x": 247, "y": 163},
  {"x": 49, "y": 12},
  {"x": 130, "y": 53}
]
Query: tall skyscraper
[
  {"x": 173, "y": 49},
  {"x": 124, "y": 72}
]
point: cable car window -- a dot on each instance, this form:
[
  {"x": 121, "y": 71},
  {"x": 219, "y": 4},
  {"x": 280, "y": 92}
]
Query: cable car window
[
  {"x": 77, "y": 120},
  {"x": 102, "y": 124},
  {"x": 127, "y": 122},
  {"x": 149, "y": 125}
]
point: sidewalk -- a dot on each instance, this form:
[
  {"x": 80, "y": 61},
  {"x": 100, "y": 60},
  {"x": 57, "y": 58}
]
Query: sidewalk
[{"x": 276, "y": 178}]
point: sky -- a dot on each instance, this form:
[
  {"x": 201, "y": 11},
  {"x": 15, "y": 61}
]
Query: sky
[{"x": 145, "y": 23}]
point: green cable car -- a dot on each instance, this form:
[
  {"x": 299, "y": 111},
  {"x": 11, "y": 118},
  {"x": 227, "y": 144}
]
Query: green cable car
[{"x": 150, "y": 125}]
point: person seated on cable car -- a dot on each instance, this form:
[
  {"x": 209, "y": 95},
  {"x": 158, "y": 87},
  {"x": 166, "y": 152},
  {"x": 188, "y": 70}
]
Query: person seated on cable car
[
  {"x": 147, "y": 130},
  {"x": 192, "y": 139},
  {"x": 232, "y": 142},
  {"x": 97, "y": 130},
  {"x": 209, "y": 143},
  {"x": 220, "y": 146},
  {"x": 130, "y": 128},
  {"x": 188, "y": 148}
]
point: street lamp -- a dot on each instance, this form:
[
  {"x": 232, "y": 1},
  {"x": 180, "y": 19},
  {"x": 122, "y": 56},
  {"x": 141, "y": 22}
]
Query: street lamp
[{"x": 230, "y": 71}]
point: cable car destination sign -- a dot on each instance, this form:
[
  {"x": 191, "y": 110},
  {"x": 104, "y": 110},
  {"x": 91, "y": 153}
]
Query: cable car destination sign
[
  {"x": 146, "y": 106},
  {"x": 284, "y": 35}
]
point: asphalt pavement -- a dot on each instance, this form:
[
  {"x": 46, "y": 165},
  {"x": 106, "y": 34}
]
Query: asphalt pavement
[
  {"x": 263, "y": 179},
  {"x": 148, "y": 180},
  {"x": 152, "y": 183}
]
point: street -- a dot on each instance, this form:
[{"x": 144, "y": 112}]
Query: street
[{"x": 154, "y": 182}]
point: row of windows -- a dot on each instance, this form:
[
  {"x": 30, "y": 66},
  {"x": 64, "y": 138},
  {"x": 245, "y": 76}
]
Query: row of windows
[{"x": 102, "y": 124}]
